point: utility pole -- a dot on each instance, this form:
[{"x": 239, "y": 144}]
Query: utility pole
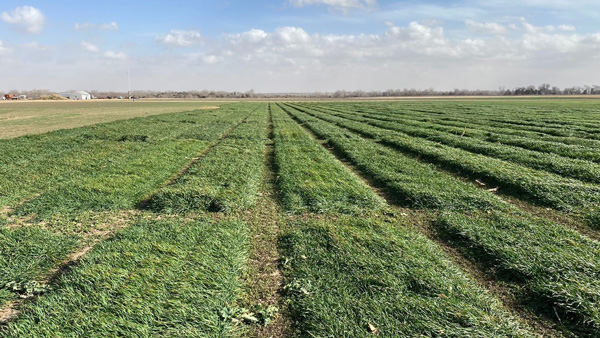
[{"x": 128, "y": 85}]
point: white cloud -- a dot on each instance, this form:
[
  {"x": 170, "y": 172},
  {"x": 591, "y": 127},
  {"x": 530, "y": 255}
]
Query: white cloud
[
  {"x": 3, "y": 49},
  {"x": 339, "y": 4},
  {"x": 180, "y": 38},
  {"x": 26, "y": 19},
  {"x": 486, "y": 27},
  {"x": 544, "y": 38},
  {"x": 34, "y": 45},
  {"x": 293, "y": 58},
  {"x": 111, "y": 26},
  {"x": 210, "y": 59},
  {"x": 566, "y": 28},
  {"x": 115, "y": 55},
  {"x": 90, "y": 47}
]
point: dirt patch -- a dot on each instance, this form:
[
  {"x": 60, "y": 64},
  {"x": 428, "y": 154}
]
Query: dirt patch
[
  {"x": 76, "y": 255},
  {"x": 209, "y": 107},
  {"x": 9, "y": 312},
  {"x": 264, "y": 280},
  {"x": 6, "y": 210}
]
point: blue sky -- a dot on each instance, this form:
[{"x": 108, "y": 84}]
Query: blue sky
[{"x": 298, "y": 45}]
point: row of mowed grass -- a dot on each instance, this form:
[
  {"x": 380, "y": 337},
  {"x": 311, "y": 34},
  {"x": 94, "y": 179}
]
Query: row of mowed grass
[
  {"x": 536, "y": 186},
  {"x": 350, "y": 268},
  {"x": 575, "y": 148},
  {"x": 169, "y": 278},
  {"x": 579, "y": 169},
  {"x": 227, "y": 178},
  {"x": 555, "y": 265},
  {"x": 347, "y": 275},
  {"x": 107, "y": 166},
  {"x": 162, "y": 276},
  {"x": 310, "y": 178}
]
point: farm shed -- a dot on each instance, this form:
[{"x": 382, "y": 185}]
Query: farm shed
[{"x": 77, "y": 95}]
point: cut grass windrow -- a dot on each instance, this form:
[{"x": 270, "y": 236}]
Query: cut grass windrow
[
  {"x": 310, "y": 178},
  {"x": 154, "y": 279},
  {"x": 227, "y": 178},
  {"x": 123, "y": 168},
  {"x": 538, "y": 186},
  {"x": 567, "y": 167},
  {"x": 408, "y": 181},
  {"x": 353, "y": 277}
]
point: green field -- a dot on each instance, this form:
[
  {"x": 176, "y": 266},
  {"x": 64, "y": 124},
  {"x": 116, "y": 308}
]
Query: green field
[
  {"x": 431, "y": 218},
  {"x": 34, "y": 117}
]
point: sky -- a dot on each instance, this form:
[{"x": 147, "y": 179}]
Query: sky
[{"x": 298, "y": 45}]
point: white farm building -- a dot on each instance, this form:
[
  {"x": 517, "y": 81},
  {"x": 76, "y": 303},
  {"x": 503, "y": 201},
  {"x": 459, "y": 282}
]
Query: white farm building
[{"x": 77, "y": 95}]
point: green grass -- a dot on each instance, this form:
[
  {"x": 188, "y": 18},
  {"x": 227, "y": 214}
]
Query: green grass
[
  {"x": 155, "y": 279},
  {"x": 345, "y": 274},
  {"x": 36, "y": 117},
  {"x": 567, "y": 167},
  {"x": 475, "y": 115},
  {"x": 310, "y": 178},
  {"x": 575, "y": 148},
  {"x": 554, "y": 264},
  {"x": 107, "y": 166},
  {"x": 350, "y": 263},
  {"x": 557, "y": 266},
  {"x": 26, "y": 254},
  {"x": 227, "y": 178},
  {"x": 536, "y": 186},
  {"x": 408, "y": 181}
]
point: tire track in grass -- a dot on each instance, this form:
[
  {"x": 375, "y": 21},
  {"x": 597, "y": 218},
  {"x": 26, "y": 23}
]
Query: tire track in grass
[
  {"x": 264, "y": 277},
  {"x": 423, "y": 221}
]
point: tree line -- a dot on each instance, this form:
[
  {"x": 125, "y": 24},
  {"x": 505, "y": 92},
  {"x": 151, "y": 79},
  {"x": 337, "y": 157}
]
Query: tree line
[{"x": 543, "y": 89}]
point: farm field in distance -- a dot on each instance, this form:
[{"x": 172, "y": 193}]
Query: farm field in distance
[
  {"x": 420, "y": 218},
  {"x": 34, "y": 117}
]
